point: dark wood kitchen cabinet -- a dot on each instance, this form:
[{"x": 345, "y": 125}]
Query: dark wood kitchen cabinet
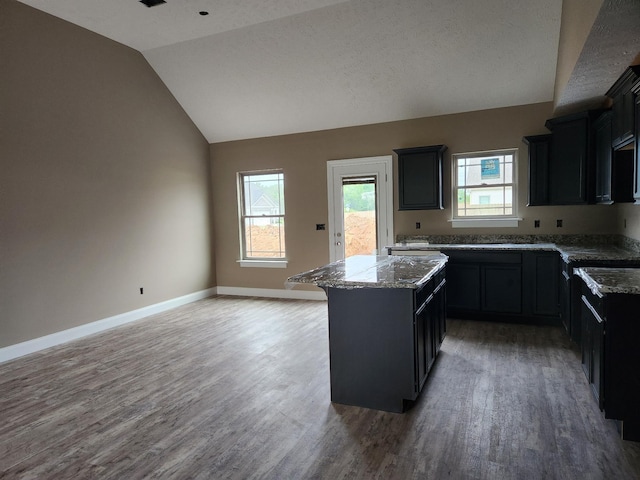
[
  {"x": 592, "y": 344},
  {"x": 463, "y": 280},
  {"x": 420, "y": 177},
  {"x": 572, "y": 176},
  {"x": 622, "y": 94},
  {"x": 502, "y": 288},
  {"x": 430, "y": 328},
  {"x": 604, "y": 154},
  {"x": 505, "y": 284},
  {"x": 610, "y": 332},
  {"x": 541, "y": 283},
  {"x": 614, "y": 169},
  {"x": 539, "y": 157}
]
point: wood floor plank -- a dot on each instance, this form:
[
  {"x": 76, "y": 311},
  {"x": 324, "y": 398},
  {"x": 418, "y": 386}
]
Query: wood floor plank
[{"x": 239, "y": 388}]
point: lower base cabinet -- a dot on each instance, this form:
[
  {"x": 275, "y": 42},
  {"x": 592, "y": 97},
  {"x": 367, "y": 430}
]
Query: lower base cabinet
[
  {"x": 504, "y": 284},
  {"x": 610, "y": 330},
  {"x": 383, "y": 342},
  {"x": 592, "y": 348}
]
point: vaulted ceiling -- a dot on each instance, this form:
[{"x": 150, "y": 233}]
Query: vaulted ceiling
[{"x": 252, "y": 68}]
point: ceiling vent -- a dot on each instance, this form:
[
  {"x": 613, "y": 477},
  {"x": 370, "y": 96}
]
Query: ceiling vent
[{"x": 152, "y": 3}]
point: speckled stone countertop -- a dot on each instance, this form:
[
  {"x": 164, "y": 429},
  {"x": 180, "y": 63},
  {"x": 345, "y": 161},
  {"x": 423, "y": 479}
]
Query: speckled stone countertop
[
  {"x": 602, "y": 281},
  {"x": 597, "y": 253},
  {"x": 371, "y": 271},
  {"x": 472, "y": 246},
  {"x": 572, "y": 248}
]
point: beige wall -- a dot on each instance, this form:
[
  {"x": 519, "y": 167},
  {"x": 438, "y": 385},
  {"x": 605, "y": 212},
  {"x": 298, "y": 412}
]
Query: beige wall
[
  {"x": 629, "y": 220},
  {"x": 303, "y": 158},
  {"x": 104, "y": 184}
]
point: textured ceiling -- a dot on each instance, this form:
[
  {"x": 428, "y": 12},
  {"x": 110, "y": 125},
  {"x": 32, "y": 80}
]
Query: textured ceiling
[
  {"x": 612, "y": 45},
  {"x": 260, "y": 68}
]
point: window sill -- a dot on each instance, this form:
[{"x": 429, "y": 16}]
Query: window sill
[
  {"x": 263, "y": 263},
  {"x": 485, "y": 222}
]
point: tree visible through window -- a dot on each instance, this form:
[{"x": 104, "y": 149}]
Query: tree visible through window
[
  {"x": 484, "y": 184},
  {"x": 262, "y": 215}
]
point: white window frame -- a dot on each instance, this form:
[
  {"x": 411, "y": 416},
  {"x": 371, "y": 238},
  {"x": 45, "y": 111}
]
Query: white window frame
[
  {"x": 245, "y": 260},
  {"x": 479, "y": 221}
]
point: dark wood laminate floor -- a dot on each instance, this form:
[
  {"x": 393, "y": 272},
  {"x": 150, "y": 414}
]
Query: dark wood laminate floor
[{"x": 239, "y": 388}]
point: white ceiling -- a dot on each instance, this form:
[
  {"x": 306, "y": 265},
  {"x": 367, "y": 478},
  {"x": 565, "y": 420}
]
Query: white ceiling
[{"x": 254, "y": 68}]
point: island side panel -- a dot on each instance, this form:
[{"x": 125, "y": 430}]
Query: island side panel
[{"x": 371, "y": 346}]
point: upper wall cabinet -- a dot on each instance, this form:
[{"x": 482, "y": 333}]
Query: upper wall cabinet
[
  {"x": 539, "y": 156},
  {"x": 420, "y": 177},
  {"x": 604, "y": 152},
  {"x": 614, "y": 169},
  {"x": 623, "y": 107},
  {"x": 572, "y": 159}
]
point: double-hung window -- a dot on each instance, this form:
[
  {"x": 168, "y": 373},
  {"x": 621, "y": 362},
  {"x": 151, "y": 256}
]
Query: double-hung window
[
  {"x": 261, "y": 212},
  {"x": 484, "y": 188}
]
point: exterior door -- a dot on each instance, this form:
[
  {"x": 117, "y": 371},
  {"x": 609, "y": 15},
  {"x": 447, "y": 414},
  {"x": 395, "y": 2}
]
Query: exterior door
[{"x": 360, "y": 206}]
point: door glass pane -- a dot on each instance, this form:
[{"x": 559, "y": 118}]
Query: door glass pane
[{"x": 359, "y": 204}]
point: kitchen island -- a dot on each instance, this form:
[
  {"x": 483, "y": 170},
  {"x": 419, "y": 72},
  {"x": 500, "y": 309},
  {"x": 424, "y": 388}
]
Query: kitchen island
[{"x": 386, "y": 324}]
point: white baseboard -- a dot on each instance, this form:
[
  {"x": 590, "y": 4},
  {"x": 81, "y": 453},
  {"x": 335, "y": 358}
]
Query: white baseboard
[
  {"x": 271, "y": 293},
  {"x": 58, "y": 338}
]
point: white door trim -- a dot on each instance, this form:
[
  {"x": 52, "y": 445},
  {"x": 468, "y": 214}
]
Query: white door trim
[{"x": 382, "y": 167}]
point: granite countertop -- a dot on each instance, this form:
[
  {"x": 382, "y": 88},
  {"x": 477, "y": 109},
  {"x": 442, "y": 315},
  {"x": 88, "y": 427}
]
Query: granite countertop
[
  {"x": 604, "y": 253},
  {"x": 371, "y": 271},
  {"x": 602, "y": 281},
  {"x": 410, "y": 246},
  {"x": 569, "y": 252}
]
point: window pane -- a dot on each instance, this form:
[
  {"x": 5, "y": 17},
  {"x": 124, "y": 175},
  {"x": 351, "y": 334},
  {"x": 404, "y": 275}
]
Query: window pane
[
  {"x": 264, "y": 237},
  {"x": 360, "y": 231},
  {"x": 264, "y": 194},
  {"x": 485, "y": 201}
]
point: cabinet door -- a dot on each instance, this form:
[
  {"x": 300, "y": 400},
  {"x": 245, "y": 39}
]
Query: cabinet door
[
  {"x": 597, "y": 361},
  {"x": 541, "y": 279},
  {"x": 569, "y": 164},
  {"x": 603, "y": 158},
  {"x": 622, "y": 93},
  {"x": 420, "y": 177},
  {"x": 593, "y": 348},
  {"x": 441, "y": 316},
  {"x": 463, "y": 287},
  {"x": 421, "y": 328},
  {"x": 539, "y": 148},
  {"x": 425, "y": 343},
  {"x": 502, "y": 288}
]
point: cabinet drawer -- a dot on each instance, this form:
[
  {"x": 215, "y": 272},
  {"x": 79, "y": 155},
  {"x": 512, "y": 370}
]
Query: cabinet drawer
[{"x": 483, "y": 257}]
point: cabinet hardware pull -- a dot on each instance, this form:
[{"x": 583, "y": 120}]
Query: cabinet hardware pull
[{"x": 593, "y": 310}]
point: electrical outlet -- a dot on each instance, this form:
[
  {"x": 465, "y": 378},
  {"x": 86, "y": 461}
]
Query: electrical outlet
[
  {"x": 320, "y": 226},
  {"x": 141, "y": 290},
  {"x": 558, "y": 223},
  {"x": 536, "y": 224},
  {"x": 417, "y": 225}
]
